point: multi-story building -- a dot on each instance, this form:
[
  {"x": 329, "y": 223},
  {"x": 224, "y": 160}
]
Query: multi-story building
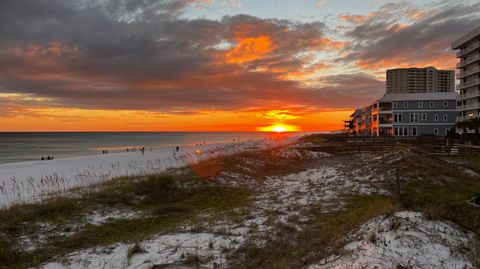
[
  {"x": 407, "y": 114},
  {"x": 468, "y": 46},
  {"x": 420, "y": 80},
  {"x": 361, "y": 121},
  {"x": 415, "y": 114}
]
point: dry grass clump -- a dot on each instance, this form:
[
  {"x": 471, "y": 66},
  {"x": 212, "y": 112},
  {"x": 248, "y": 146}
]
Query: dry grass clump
[
  {"x": 440, "y": 189},
  {"x": 322, "y": 236},
  {"x": 167, "y": 200},
  {"x": 255, "y": 164}
]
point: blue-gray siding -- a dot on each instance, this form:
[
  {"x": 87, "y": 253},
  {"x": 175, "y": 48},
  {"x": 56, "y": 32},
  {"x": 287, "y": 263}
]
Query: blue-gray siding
[{"x": 426, "y": 126}]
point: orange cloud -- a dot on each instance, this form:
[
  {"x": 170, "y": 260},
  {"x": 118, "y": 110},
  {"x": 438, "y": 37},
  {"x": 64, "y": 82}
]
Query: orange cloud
[
  {"x": 279, "y": 115},
  {"x": 439, "y": 61},
  {"x": 353, "y": 18},
  {"x": 327, "y": 43},
  {"x": 249, "y": 49}
]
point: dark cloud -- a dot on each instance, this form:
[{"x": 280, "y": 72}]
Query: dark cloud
[
  {"x": 137, "y": 55},
  {"x": 141, "y": 54}
]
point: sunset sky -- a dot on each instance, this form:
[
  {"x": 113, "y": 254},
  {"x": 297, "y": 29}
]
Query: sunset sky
[{"x": 211, "y": 65}]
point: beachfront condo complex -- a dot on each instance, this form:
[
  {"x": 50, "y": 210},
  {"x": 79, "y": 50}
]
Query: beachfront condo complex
[
  {"x": 420, "y": 80},
  {"x": 407, "y": 115}
]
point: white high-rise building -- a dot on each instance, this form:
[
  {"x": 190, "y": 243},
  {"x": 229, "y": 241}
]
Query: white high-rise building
[
  {"x": 420, "y": 80},
  {"x": 468, "y": 102}
]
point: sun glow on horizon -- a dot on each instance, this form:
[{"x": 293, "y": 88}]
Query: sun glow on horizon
[{"x": 279, "y": 128}]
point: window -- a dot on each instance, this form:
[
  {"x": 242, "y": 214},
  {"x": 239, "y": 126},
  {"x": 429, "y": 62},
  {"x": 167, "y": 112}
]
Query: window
[
  {"x": 420, "y": 104},
  {"x": 424, "y": 116},
  {"x": 414, "y": 131},
  {"x": 435, "y": 131},
  {"x": 445, "y": 103},
  {"x": 447, "y": 130},
  {"x": 436, "y": 117},
  {"x": 394, "y": 104},
  {"x": 405, "y": 104},
  {"x": 397, "y": 117},
  {"x": 445, "y": 117},
  {"x": 432, "y": 104},
  {"x": 414, "y": 117},
  {"x": 401, "y": 131}
]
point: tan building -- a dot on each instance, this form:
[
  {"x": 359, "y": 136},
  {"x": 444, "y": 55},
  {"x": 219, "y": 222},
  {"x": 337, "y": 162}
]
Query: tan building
[
  {"x": 468, "y": 46},
  {"x": 420, "y": 80}
]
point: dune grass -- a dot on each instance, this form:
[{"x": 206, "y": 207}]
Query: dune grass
[
  {"x": 440, "y": 189},
  {"x": 167, "y": 200},
  {"x": 256, "y": 164},
  {"x": 428, "y": 184},
  {"x": 320, "y": 237}
]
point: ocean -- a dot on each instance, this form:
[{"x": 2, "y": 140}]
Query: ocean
[{"x": 20, "y": 147}]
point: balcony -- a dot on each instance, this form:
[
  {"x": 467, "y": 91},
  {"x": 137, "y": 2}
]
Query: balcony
[
  {"x": 385, "y": 108},
  {"x": 468, "y": 49},
  {"x": 463, "y": 63},
  {"x": 472, "y": 93},
  {"x": 473, "y": 106},
  {"x": 468, "y": 73},
  {"x": 467, "y": 84}
]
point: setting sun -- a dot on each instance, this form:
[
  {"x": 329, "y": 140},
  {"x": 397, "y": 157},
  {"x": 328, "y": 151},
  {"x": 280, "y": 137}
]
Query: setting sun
[{"x": 279, "y": 129}]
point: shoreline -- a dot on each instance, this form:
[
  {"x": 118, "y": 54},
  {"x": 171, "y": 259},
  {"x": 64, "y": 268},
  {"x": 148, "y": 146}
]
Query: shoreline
[{"x": 34, "y": 181}]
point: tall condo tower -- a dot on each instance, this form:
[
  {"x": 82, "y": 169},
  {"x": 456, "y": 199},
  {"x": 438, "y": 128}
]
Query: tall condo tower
[
  {"x": 468, "y": 102},
  {"x": 420, "y": 80}
]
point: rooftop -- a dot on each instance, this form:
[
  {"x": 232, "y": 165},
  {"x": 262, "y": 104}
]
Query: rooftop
[
  {"x": 389, "y": 97},
  {"x": 416, "y": 68},
  {"x": 462, "y": 40}
]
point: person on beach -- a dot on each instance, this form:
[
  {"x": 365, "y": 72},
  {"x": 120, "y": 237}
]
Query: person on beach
[{"x": 143, "y": 151}]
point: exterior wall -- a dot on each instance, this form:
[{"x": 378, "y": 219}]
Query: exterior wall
[
  {"x": 420, "y": 80},
  {"x": 387, "y": 117},
  {"x": 438, "y": 117},
  {"x": 469, "y": 74}
]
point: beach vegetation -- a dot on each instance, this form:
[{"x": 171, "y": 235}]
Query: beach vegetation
[
  {"x": 166, "y": 200},
  {"x": 322, "y": 235}
]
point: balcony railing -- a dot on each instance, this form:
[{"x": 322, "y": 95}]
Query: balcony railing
[
  {"x": 467, "y": 84},
  {"x": 469, "y": 61},
  {"x": 472, "y": 71},
  {"x": 468, "y": 49},
  {"x": 473, "y": 106}
]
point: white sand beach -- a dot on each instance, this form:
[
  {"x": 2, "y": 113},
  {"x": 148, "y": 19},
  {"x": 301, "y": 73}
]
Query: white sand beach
[{"x": 26, "y": 182}]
